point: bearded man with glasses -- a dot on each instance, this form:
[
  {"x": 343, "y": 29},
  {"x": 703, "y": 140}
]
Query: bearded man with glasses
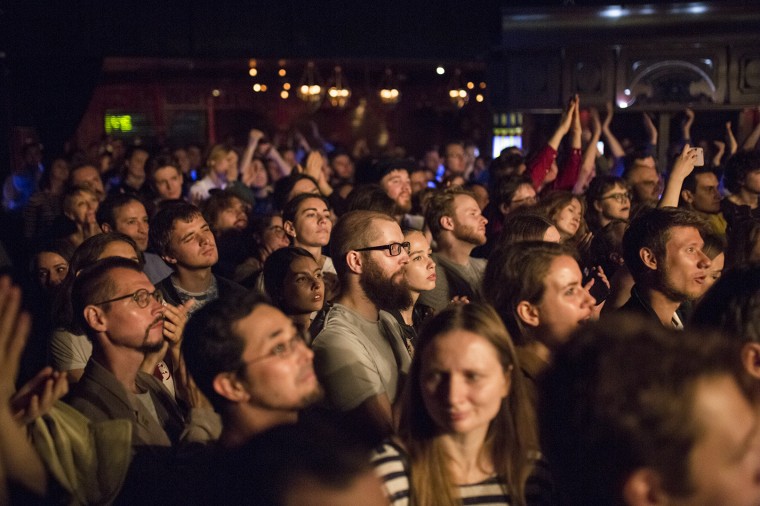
[
  {"x": 360, "y": 354},
  {"x": 121, "y": 312}
]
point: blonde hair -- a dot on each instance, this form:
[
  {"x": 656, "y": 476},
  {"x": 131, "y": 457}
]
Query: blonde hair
[{"x": 511, "y": 435}]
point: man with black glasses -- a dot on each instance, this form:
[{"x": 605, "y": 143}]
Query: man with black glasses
[
  {"x": 123, "y": 314},
  {"x": 360, "y": 354}
]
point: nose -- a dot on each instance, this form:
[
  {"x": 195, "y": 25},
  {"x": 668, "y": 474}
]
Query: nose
[
  {"x": 403, "y": 258},
  {"x": 431, "y": 264},
  {"x": 704, "y": 261},
  {"x": 588, "y": 299},
  {"x": 455, "y": 390},
  {"x": 142, "y": 227}
]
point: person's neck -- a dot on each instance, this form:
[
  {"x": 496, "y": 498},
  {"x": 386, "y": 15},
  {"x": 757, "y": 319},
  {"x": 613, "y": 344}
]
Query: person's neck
[
  {"x": 122, "y": 363},
  {"x": 56, "y": 187},
  {"x": 408, "y": 313},
  {"x": 243, "y": 422},
  {"x": 218, "y": 179},
  {"x": 467, "y": 463},
  {"x": 193, "y": 280},
  {"x": 745, "y": 198},
  {"x": 134, "y": 180},
  {"x": 540, "y": 350},
  {"x": 316, "y": 252},
  {"x": 301, "y": 320},
  {"x": 662, "y": 305},
  {"x": 357, "y": 301},
  {"x": 455, "y": 251}
]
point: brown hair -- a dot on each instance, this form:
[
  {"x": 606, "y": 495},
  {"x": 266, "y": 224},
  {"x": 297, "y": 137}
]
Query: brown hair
[
  {"x": 353, "y": 230},
  {"x": 510, "y": 435},
  {"x": 440, "y": 204}
]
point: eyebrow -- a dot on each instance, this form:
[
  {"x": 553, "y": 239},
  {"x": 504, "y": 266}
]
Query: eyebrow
[{"x": 417, "y": 252}]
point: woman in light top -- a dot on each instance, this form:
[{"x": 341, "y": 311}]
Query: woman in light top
[{"x": 465, "y": 434}]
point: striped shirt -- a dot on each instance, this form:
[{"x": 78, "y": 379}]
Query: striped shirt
[{"x": 391, "y": 464}]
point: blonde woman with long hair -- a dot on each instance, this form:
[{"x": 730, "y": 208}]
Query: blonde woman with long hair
[{"x": 465, "y": 431}]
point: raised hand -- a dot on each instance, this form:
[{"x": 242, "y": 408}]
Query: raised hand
[{"x": 37, "y": 396}]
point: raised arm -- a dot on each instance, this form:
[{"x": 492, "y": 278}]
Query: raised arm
[
  {"x": 616, "y": 149},
  {"x": 650, "y": 129},
  {"x": 683, "y": 166},
  {"x": 254, "y": 136},
  {"x": 733, "y": 146},
  {"x": 588, "y": 164},
  {"x": 751, "y": 141},
  {"x": 686, "y": 126},
  {"x": 540, "y": 165}
]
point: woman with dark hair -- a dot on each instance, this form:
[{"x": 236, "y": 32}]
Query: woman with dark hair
[
  {"x": 527, "y": 226},
  {"x": 265, "y": 235},
  {"x": 537, "y": 290},
  {"x": 50, "y": 264},
  {"x": 608, "y": 198},
  {"x": 465, "y": 432},
  {"x": 293, "y": 280}
]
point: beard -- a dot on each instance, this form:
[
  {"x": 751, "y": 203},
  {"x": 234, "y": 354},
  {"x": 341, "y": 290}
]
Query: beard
[
  {"x": 469, "y": 234},
  {"x": 383, "y": 291},
  {"x": 662, "y": 283},
  {"x": 147, "y": 347}
]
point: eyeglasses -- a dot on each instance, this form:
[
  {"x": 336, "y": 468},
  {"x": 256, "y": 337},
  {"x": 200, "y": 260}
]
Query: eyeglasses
[
  {"x": 141, "y": 297},
  {"x": 393, "y": 248},
  {"x": 282, "y": 350},
  {"x": 619, "y": 197}
]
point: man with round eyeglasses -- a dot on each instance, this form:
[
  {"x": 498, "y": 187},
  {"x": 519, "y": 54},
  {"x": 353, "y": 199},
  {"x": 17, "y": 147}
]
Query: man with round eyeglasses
[
  {"x": 361, "y": 354},
  {"x": 252, "y": 363},
  {"x": 123, "y": 315}
]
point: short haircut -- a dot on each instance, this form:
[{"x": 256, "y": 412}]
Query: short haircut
[
  {"x": 690, "y": 182},
  {"x": 620, "y": 397},
  {"x": 353, "y": 230},
  {"x": 516, "y": 273},
  {"x": 737, "y": 168},
  {"x": 441, "y": 204},
  {"x": 651, "y": 229},
  {"x": 107, "y": 209},
  {"x": 212, "y": 345},
  {"x": 159, "y": 162},
  {"x": 630, "y": 161},
  {"x": 276, "y": 269},
  {"x": 162, "y": 224},
  {"x": 94, "y": 284},
  {"x": 80, "y": 166}
]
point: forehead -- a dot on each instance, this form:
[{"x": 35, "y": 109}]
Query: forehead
[
  {"x": 678, "y": 236},
  {"x": 180, "y": 227},
  {"x": 50, "y": 258},
  {"x": 706, "y": 179},
  {"x": 461, "y": 347},
  {"x": 301, "y": 264},
  {"x": 166, "y": 171},
  {"x": 385, "y": 231},
  {"x": 454, "y": 149},
  {"x": 563, "y": 270},
  {"x": 127, "y": 279},
  {"x": 395, "y": 174},
  {"x": 118, "y": 249},
  {"x": 417, "y": 241},
  {"x": 312, "y": 203},
  {"x": 641, "y": 172},
  {"x": 304, "y": 186},
  {"x": 261, "y": 325},
  {"x": 131, "y": 208},
  {"x": 84, "y": 173},
  {"x": 465, "y": 203},
  {"x": 525, "y": 189},
  {"x": 617, "y": 187}
]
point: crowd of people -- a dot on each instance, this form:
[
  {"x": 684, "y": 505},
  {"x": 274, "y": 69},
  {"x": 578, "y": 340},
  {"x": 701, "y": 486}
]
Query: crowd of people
[{"x": 305, "y": 324}]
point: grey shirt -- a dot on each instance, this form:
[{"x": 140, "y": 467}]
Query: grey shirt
[
  {"x": 356, "y": 359},
  {"x": 469, "y": 277}
]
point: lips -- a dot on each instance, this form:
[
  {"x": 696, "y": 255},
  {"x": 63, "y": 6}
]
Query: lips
[{"x": 433, "y": 277}]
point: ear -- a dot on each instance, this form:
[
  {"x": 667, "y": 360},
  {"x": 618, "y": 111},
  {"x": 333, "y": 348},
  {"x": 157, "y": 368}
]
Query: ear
[
  {"x": 105, "y": 227},
  {"x": 95, "y": 318},
  {"x": 528, "y": 313},
  {"x": 751, "y": 359},
  {"x": 289, "y": 229},
  {"x": 447, "y": 223},
  {"x": 644, "y": 488},
  {"x": 647, "y": 257},
  {"x": 229, "y": 387},
  {"x": 617, "y": 258},
  {"x": 687, "y": 196},
  {"x": 355, "y": 262},
  {"x": 503, "y": 208},
  {"x": 597, "y": 206},
  {"x": 169, "y": 259}
]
